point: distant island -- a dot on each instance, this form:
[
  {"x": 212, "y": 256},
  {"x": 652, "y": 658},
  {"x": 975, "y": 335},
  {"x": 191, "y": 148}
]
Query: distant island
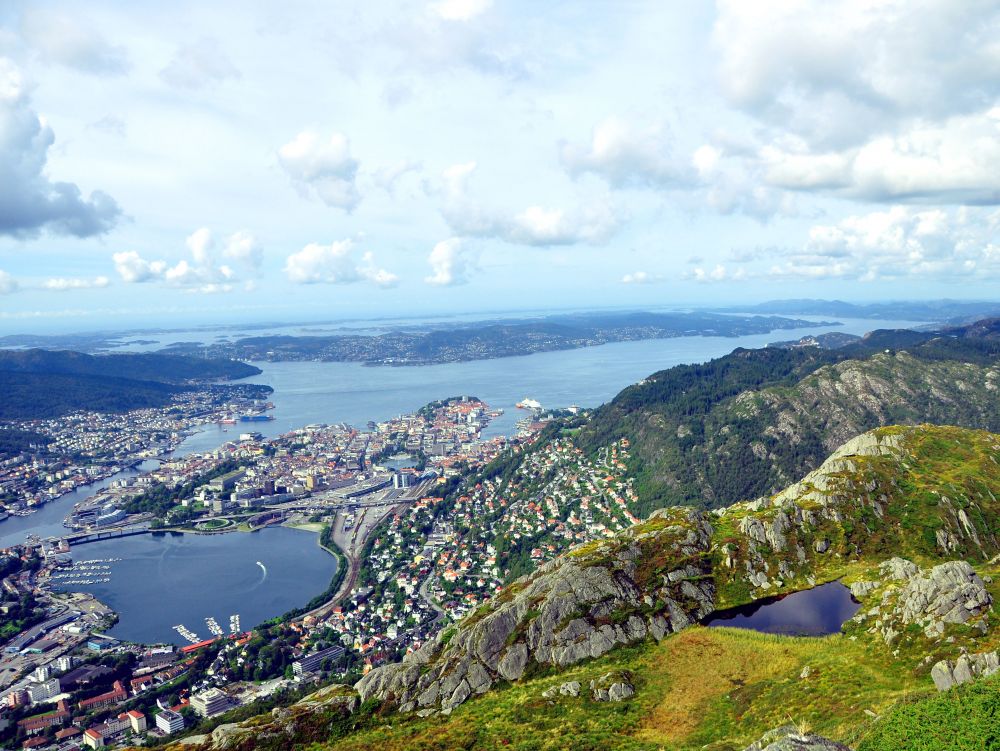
[{"x": 489, "y": 340}]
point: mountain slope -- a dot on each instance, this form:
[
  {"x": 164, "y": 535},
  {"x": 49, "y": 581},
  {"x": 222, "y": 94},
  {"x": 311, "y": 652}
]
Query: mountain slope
[
  {"x": 766, "y": 418},
  {"x": 623, "y": 612}
]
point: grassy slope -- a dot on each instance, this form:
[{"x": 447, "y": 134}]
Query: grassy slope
[{"x": 703, "y": 688}]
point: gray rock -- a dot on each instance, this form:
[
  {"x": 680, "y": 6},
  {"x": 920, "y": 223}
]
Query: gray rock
[
  {"x": 788, "y": 738},
  {"x": 948, "y": 673}
]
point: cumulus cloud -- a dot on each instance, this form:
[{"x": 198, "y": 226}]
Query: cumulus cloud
[
  {"x": 8, "y": 284},
  {"x": 324, "y": 165},
  {"x": 70, "y": 41},
  {"x": 64, "y": 284},
  {"x": 626, "y": 156},
  {"x": 198, "y": 65},
  {"x": 450, "y": 262},
  {"x": 718, "y": 273},
  {"x": 641, "y": 277},
  {"x": 540, "y": 226},
  {"x": 869, "y": 101},
  {"x": 30, "y": 201},
  {"x": 898, "y": 243},
  {"x": 335, "y": 264},
  {"x": 204, "y": 271}
]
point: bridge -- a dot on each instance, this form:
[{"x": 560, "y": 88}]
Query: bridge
[{"x": 82, "y": 538}]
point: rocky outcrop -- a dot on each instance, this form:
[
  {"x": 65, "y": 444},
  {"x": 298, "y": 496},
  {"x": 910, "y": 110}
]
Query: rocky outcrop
[
  {"x": 948, "y": 673},
  {"x": 788, "y": 738},
  {"x": 652, "y": 580},
  {"x": 948, "y": 594},
  {"x": 309, "y": 720},
  {"x": 614, "y": 686}
]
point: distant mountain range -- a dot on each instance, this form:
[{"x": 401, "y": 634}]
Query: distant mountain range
[{"x": 933, "y": 311}]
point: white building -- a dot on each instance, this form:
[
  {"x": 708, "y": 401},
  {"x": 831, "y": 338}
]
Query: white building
[{"x": 169, "y": 721}]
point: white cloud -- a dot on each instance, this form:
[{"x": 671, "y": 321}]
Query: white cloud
[
  {"x": 199, "y": 64},
  {"x": 540, "y": 226},
  {"x": 63, "y": 284},
  {"x": 460, "y": 10},
  {"x": 133, "y": 269},
  {"x": 718, "y": 273},
  {"x": 625, "y": 156},
  {"x": 203, "y": 272},
  {"x": 898, "y": 243},
  {"x": 335, "y": 264},
  {"x": 30, "y": 201},
  {"x": 641, "y": 277},
  {"x": 70, "y": 41},
  {"x": 536, "y": 225},
  {"x": 8, "y": 284},
  {"x": 323, "y": 164},
  {"x": 873, "y": 101},
  {"x": 243, "y": 248},
  {"x": 957, "y": 161},
  {"x": 450, "y": 263}
]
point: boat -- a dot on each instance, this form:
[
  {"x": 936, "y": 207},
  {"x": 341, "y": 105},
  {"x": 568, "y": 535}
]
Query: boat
[{"x": 530, "y": 404}]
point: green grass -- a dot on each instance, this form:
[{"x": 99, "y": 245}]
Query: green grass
[
  {"x": 716, "y": 689},
  {"x": 966, "y": 718}
]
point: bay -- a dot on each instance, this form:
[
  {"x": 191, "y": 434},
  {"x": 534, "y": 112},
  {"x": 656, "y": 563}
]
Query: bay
[{"x": 167, "y": 579}]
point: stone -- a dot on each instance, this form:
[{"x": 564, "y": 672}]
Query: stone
[
  {"x": 570, "y": 688},
  {"x": 948, "y": 673},
  {"x": 788, "y": 738}
]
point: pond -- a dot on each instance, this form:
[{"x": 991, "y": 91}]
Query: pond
[{"x": 818, "y": 611}]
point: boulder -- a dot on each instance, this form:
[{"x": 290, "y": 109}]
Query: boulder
[
  {"x": 948, "y": 673},
  {"x": 788, "y": 738}
]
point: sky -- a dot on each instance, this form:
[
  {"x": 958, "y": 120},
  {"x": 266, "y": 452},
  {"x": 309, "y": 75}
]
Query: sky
[{"x": 213, "y": 162}]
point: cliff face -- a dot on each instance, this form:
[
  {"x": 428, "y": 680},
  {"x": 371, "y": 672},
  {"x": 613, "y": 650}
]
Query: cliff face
[{"x": 652, "y": 580}]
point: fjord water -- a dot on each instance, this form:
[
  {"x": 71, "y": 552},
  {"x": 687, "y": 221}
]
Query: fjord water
[
  {"x": 168, "y": 579},
  {"x": 330, "y": 392},
  {"x": 818, "y": 611},
  {"x": 334, "y": 392}
]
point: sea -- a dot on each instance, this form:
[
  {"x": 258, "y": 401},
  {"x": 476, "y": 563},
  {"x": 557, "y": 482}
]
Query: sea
[{"x": 166, "y": 581}]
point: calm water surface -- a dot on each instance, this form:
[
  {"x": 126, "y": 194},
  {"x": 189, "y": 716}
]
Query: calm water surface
[
  {"x": 334, "y": 392},
  {"x": 169, "y": 579},
  {"x": 818, "y": 611}
]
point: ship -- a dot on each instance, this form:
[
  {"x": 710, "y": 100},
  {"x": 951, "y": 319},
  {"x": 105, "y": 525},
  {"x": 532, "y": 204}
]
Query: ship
[
  {"x": 527, "y": 403},
  {"x": 255, "y": 418}
]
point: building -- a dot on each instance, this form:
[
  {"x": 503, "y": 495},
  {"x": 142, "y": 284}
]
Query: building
[
  {"x": 401, "y": 480},
  {"x": 168, "y": 721},
  {"x": 137, "y": 721},
  {"x": 312, "y": 662},
  {"x": 210, "y": 703},
  {"x": 41, "y": 691},
  {"x": 92, "y": 738},
  {"x": 39, "y": 723},
  {"x": 115, "y": 695},
  {"x": 226, "y": 481}
]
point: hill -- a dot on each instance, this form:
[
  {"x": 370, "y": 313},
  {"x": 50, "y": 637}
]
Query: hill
[
  {"x": 602, "y": 647},
  {"x": 42, "y": 384},
  {"x": 133, "y": 366}
]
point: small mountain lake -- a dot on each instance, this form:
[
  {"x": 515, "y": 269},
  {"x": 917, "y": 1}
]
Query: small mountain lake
[{"x": 818, "y": 611}]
